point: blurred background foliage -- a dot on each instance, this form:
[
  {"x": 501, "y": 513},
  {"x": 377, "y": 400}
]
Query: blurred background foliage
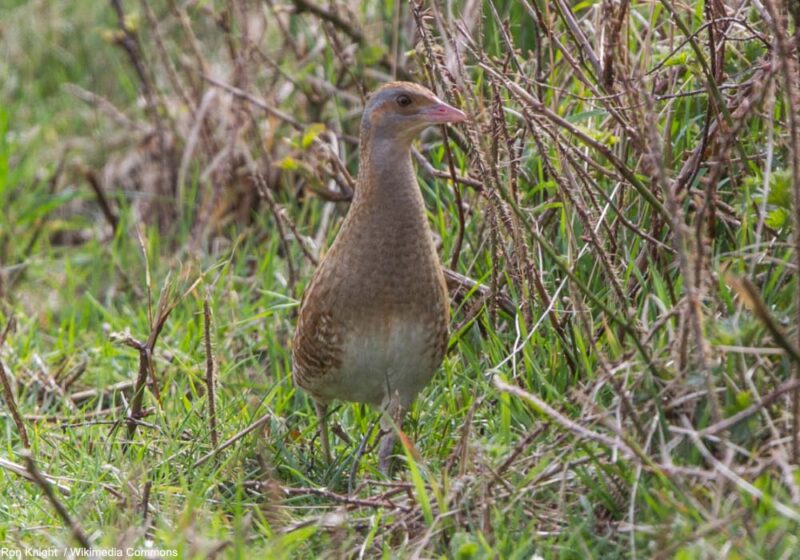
[{"x": 619, "y": 218}]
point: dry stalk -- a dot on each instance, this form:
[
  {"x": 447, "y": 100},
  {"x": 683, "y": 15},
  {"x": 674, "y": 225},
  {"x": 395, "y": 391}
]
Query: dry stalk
[
  {"x": 737, "y": 480},
  {"x": 144, "y": 507},
  {"x": 129, "y": 41},
  {"x": 102, "y": 199},
  {"x": 751, "y": 298},
  {"x": 384, "y": 501},
  {"x": 167, "y": 302},
  {"x": 20, "y": 470},
  {"x": 255, "y": 425},
  {"x": 12, "y": 406},
  {"x": 212, "y": 411},
  {"x": 61, "y": 510},
  {"x": 789, "y": 72},
  {"x": 9, "y": 394},
  {"x": 570, "y": 425},
  {"x": 459, "y": 203},
  {"x": 681, "y": 246}
]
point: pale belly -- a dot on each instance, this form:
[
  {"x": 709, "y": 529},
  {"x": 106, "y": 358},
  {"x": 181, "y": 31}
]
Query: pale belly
[{"x": 380, "y": 360}]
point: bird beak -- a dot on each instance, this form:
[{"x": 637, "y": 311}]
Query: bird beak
[{"x": 441, "y": 112}]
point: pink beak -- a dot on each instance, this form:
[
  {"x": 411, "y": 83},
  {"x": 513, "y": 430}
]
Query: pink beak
[{"x": 441, "y": 112}]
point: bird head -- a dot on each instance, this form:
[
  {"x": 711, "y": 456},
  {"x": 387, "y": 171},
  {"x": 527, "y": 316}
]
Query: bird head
[{"x": 401, "y": 110}]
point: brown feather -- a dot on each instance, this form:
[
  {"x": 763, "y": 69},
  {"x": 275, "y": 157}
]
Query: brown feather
[{"x": 373, "y": 322}]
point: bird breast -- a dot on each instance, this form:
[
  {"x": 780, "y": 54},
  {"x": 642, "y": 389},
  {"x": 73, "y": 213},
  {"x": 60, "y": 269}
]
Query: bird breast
[
  {"x": 393, "y": 355},
  {"x": 374, "y": 318},
  {"x": 373, "y": 326}
]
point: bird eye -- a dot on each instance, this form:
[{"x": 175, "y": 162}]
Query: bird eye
[{"x": 403, "y": 100}]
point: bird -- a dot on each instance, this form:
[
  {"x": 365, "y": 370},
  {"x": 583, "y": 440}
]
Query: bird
[{"x": 373, "y": 321}]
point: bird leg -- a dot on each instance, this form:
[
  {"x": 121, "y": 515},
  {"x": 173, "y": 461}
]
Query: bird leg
[
  {"x": 385, "y": 455},
  {"x": 322, "y": 416},
  {"x": 390, "y": 424}
]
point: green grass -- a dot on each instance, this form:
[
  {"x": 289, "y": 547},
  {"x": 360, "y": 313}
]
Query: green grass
[{"x": 496, "y": 476}]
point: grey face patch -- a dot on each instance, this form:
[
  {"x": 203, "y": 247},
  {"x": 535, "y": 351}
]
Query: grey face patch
[
  {"x": 379, "y": 98},
  {"x": 389, "y": 96}
]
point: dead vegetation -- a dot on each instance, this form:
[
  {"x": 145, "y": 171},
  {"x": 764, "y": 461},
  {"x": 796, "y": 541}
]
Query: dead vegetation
[{"x": 620, "y": 212}]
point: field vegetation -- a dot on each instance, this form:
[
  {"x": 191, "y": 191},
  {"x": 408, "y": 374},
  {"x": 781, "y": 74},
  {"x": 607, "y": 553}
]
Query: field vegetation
[{"x": 620, "y": 218}]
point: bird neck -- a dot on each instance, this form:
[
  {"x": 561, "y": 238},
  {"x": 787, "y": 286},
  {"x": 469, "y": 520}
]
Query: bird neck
[
  {"x": 386, "y": 223},
  {"x": 386, "y": 174}
]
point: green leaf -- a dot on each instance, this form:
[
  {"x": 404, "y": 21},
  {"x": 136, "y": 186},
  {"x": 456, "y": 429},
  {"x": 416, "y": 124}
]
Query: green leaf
[
  {"x": 369, "y": 55},
  {"x": 419, "y": 487},
  {"x": 778, "y": 218},
  {"x": 312, "y": 131},
  {"x": 602, "y": 136},
  {"x": 679, "y": 59},
  {"x": 743, "y": 399},
  {"x": 463, "y": 546},
  {"x": 288, "y": 163},
  {"x": 586, "y": 115},
  {"x": 780, "y": 188}
]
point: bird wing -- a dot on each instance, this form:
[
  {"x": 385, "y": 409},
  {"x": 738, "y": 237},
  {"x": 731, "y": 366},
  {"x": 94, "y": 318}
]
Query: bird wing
[{"x": 316, "y": 349}]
